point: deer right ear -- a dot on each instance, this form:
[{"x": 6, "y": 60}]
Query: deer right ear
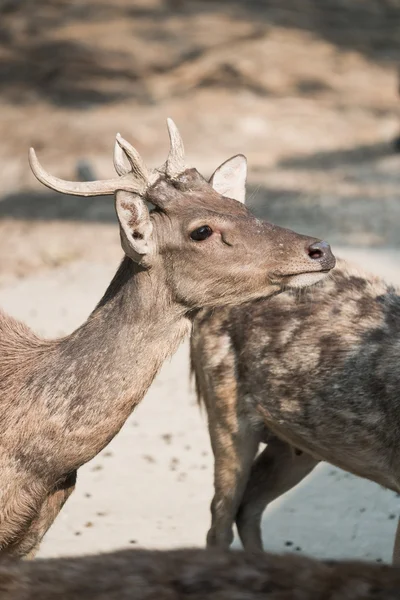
[
  {"x": 230, "y": 178},
  {"x": 135, "y": 226}
]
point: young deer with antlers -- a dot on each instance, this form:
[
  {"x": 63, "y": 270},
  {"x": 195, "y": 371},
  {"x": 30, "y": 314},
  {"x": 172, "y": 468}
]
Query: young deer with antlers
[
  {"x": 63, "y": 401},
  {"x": 318, "y": 373}
]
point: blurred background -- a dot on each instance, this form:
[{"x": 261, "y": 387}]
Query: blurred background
[{"x": 309, "y": 92}]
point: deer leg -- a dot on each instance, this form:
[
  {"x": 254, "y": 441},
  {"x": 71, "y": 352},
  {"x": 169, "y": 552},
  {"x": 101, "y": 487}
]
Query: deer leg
[
  {"x": 233, "y": 439},
  {"x": 28, "y": 544},
  {"x": 234, "y": 453},
  {"x": 275, "y": 471},
  {"x": 396, "y": 550}
]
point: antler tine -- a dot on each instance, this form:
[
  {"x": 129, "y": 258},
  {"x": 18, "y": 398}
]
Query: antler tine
[
  {"x": 119, "y": 164},
  {"x": 139, "y": 169},
  {"x": 175, "y": 164},
  {"x": 87, "y": 188}
]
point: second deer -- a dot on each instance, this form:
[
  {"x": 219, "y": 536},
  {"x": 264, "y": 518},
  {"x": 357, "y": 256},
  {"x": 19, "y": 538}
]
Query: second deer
[{"x": 316, "y": 377}]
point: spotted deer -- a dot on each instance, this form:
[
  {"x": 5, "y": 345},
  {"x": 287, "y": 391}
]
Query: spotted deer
[
  {"x": 62, "y": 401},
  {"x": 195, "y": 574},
  {"x": 314, "y": 376}
]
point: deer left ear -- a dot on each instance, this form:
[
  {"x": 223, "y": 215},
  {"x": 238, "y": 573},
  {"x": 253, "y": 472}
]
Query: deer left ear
[
  {"x": 230, "y": 178},
  {"x": 135, "y": 227}
]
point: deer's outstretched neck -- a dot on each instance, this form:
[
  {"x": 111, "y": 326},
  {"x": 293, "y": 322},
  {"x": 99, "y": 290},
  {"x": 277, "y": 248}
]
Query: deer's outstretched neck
[{"x": 89, "y": 382}]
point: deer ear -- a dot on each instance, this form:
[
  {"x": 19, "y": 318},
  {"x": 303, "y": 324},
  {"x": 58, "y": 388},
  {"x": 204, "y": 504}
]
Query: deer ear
[
  {"x": 135, "y": 226},
  {"x": 230, "y": 178}
]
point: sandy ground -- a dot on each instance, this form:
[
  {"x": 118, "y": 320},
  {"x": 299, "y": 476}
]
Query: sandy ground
[{"x": 153, "y": 484}]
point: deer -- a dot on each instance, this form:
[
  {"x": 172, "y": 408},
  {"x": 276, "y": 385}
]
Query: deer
[
  {"x": 195, "y": 574},
  {"x": 314, "y": 377},
  {"x": 63, "y": 400}
]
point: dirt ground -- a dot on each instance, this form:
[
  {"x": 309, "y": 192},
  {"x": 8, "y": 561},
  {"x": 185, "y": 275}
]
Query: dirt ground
[{"x": 309, "y": 92}]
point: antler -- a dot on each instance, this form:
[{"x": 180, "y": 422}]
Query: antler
[
  {"x": 119, "y": 163},
  {"x": 130, "y": 181},
  {"x": 175, "y": 164},
  {"x": 139, "y": 169},
  {"x": 134, "y": 179}
]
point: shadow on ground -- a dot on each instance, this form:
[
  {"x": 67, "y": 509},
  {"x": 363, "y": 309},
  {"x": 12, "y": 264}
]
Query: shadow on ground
[
  {"x": 47, "y": 206},
  {"x": 359, "y": 155},
  {"x": 343, "y": 215},
  {"x": 355, "y": 221},
  {"x": 85, "y": 53},
  {"x": 363, "y": 209}
]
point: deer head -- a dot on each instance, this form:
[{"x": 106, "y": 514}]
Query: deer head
[{"x": 211, "y": 249}]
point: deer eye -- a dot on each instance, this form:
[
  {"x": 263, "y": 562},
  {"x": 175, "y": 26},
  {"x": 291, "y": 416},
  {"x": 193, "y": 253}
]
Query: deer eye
[{"x": 201, "y": 233}]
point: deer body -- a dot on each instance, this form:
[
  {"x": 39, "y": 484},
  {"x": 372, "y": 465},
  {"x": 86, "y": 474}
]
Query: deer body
[
  {"x": 62, "y": 401},
  {"x": 318, "y": 373},
  {"x": 196, "y": 575}
]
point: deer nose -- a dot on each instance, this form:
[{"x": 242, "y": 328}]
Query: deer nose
[{"x": 322, "y": 252}]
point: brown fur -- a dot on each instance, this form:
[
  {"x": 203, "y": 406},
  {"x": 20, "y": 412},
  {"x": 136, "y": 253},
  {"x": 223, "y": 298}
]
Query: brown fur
[
  {"x": 62, "y": 401},
  {"x": 196, "y": 575},
  {"x": 317, "y": 372}
]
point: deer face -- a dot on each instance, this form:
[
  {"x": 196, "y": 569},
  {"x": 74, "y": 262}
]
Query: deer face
[
  {"x": 211, "y": 249},
  {"x": 216, "y": 252}
]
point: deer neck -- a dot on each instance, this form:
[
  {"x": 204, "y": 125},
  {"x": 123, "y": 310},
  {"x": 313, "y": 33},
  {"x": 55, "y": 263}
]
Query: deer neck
[{"x": 108, "y": 364}]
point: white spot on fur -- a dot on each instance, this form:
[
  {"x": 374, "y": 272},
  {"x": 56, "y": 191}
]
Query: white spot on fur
[{"x": 221, "y": 350}]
